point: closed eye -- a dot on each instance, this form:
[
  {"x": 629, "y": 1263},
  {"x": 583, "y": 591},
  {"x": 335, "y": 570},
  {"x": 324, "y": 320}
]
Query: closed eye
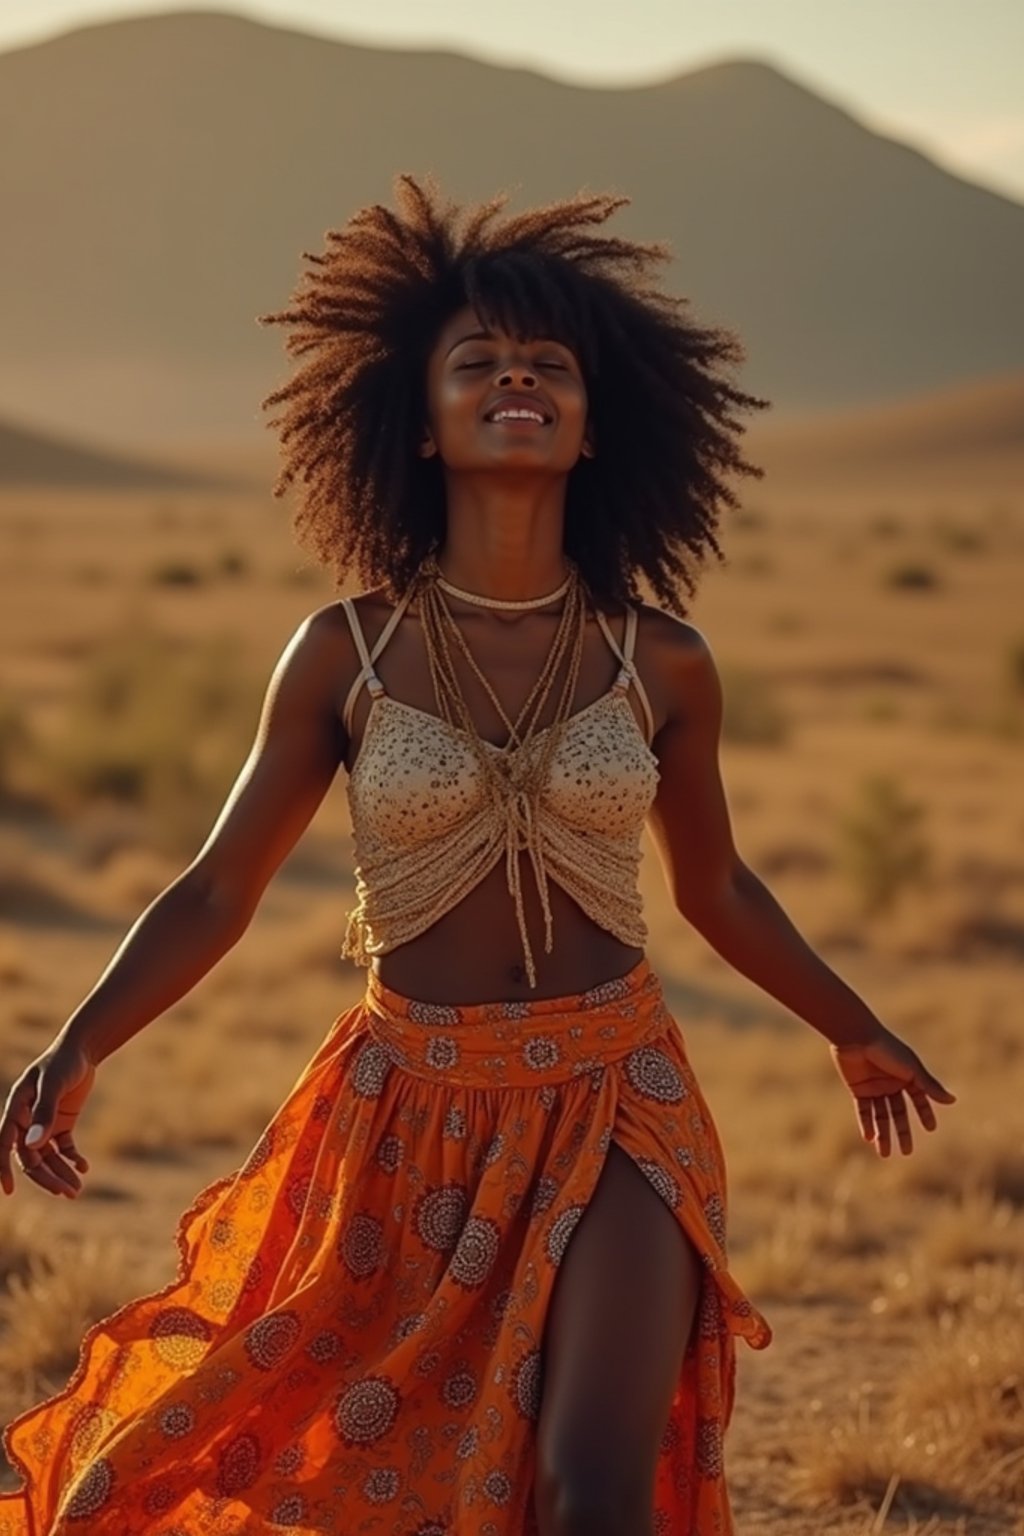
[{"x": 485, "y": 364}]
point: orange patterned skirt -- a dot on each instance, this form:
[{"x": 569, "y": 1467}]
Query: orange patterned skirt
[{"x": 352, "y": 1344}]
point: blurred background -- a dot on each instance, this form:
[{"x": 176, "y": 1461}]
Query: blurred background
[{"x": 843, "y": 186}]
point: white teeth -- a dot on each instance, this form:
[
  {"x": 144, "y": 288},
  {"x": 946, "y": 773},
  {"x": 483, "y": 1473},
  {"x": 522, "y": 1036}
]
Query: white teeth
[{"x": 513, "y": 415}]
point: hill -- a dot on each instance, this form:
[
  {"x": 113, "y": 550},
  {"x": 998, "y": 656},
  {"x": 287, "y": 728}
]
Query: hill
[
  {"x": 38, "y": 459},
  {"x": 197, "y": 155}
]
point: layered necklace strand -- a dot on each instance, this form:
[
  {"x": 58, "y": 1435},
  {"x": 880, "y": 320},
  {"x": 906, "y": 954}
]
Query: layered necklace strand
[
  {"x": 500, "y": 602},
  {"x": 515, "y": 774}
]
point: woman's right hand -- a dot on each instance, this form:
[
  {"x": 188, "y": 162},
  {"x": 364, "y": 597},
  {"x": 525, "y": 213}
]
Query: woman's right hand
[
  {"x": 878, "y": 1072},
  {"x": 50, "y": 1092}
]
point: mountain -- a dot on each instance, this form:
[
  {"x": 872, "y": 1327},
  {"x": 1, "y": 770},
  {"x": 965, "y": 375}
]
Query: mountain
[
  {"x": 33, "y": 458},
  {"x": 161, "y": 176}
]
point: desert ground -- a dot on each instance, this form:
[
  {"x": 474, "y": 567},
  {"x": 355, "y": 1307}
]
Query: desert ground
[{"x": 872, "y": 652}]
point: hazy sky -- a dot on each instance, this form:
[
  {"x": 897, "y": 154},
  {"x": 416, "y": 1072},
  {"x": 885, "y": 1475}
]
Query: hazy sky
[{"x": 944, "y": 75}]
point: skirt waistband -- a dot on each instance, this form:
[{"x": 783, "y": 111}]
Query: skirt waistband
[{"x": 522, "y": 1043}]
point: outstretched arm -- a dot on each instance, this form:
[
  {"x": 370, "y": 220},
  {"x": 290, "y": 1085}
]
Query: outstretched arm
[
  {"x": 203, "y": 912},
  {"x": 733, "y": 909},
  {"x": 298, "y": 746}
]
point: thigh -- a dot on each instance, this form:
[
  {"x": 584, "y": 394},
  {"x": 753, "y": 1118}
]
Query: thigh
[{"x": 620, "y": 1318}]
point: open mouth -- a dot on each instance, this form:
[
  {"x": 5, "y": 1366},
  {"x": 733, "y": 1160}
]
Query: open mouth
[
  {"x": 519, "y": 413},
  {"x": 519, "y": 422},
  {"x": 517, "y": 418}
]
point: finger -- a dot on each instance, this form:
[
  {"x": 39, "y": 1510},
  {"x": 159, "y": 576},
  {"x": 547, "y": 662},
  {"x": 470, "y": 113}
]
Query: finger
[
  {"x": 18, "y": 1104},
  {"x": 63, "y": 1170},
  {"x": 901, "y": 1122},
  {"x": 867, "y": 1124},
  {"x": 45, "y": 1112},
  {"x": 66, "y": 1141},
  {"x": 7, "y": 1139},
  {"x": 45, "y": 1155},
  {"x": 934, "y": 1087},
  {"x": 41, "y": 1128},
  {"x": 922, "y": 1104},
  {"x": 10, "y": 1135},
  {"x": 884, "y": 1129},
  {"x": 40, "y": 1174}
]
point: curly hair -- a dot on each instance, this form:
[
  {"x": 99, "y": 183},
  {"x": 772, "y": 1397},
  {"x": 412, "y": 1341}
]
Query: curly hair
[{"x": 365, "y": 318}]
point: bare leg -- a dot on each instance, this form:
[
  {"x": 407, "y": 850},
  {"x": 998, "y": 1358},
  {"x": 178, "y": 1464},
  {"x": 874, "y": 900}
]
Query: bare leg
[{"x": 621, "y": 1315}]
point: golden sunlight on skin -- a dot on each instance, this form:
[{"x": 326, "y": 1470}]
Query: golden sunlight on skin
[{"x": 898, "y": 1248}]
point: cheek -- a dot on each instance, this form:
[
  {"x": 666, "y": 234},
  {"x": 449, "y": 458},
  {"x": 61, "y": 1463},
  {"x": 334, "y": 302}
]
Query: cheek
[
  {"x": 455, "y": 400},
  {"x": 574, "y": 397}
]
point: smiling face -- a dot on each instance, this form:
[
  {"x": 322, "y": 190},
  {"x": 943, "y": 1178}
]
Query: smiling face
[{"x": 485, "y": 390}]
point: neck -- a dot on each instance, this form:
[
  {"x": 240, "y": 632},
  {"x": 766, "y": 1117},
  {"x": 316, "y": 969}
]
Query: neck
[{"x": 512, "y": 552}]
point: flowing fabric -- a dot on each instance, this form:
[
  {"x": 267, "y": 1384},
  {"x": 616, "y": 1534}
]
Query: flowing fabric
[{"x": 353, "y": 1341}]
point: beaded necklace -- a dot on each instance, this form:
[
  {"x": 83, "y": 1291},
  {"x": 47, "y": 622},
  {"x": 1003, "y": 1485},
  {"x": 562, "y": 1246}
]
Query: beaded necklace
[
  {"x": 483, "y": 601},
  {"x": 515, "y": 775}
]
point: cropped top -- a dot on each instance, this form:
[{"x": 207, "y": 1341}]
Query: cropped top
[{"x": 426, "y": 831}]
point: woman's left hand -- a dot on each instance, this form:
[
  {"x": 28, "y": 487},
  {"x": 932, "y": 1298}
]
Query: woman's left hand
[{"x": 878, "y": 1073}]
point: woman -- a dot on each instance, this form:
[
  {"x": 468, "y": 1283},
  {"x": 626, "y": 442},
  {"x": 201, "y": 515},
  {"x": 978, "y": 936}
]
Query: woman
[{"x": 473, "y": 1279}]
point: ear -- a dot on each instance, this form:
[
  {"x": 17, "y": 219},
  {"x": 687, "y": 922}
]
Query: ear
[{"x": 427, "y": 447}]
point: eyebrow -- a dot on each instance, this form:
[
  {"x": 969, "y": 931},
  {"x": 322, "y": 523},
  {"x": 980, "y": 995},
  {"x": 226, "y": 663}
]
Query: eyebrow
[{"x": 488, "y": 336}]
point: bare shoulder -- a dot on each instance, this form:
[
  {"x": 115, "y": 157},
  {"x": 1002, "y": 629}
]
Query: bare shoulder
[
  {"x": 674, "y": 659},
  {"x": 330, "y": 623},
  {"x": 666, "y": 632},
  {"x": 373, "y": 608},
  {"x": 332, "y": 645},
  {"x": 671, "y": 644}
]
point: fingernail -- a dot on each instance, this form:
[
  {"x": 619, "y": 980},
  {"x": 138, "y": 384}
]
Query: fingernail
[{"x": 35, "y": 1133}]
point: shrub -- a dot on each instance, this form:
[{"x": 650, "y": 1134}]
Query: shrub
[
  {"x": 1014, "y": 665},
  {"x": 911, "y": 576},
  {"x": 882, "y": 848},
  {"x": 885, "y": 525},
  {"x": 232, "y": 562},
  {"x": 752, "y": 712},
  {"x": 15, "y": 739},
  {"x": 156, "y": 728},
  {"x": 175, "y": 573},
  {"x": 959, "y": 537}
]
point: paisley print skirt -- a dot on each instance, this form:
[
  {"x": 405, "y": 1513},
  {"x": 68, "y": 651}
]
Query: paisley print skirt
[{"x": 353, "y": 1342}]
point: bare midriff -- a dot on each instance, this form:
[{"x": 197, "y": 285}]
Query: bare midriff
[{"x": 473, "y": 953}]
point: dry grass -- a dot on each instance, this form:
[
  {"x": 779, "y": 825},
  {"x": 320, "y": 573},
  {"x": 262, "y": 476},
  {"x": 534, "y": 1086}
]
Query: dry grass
[
  {"x": 891, "y": 1399},
  {"x": 943, "y": 1438},
  {"x": 45, "y": 1312}
]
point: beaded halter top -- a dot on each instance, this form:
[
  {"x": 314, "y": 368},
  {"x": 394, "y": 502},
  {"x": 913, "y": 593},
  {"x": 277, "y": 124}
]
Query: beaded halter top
[{"x": 425, "y": 832}]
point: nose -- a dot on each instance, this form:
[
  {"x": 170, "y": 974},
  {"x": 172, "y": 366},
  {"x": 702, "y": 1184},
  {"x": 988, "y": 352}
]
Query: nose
[{"x": 523, "y": 372}]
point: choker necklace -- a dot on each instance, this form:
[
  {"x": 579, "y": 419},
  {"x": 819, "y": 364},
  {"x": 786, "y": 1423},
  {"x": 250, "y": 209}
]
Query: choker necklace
[{"x": 498, "y": 602}]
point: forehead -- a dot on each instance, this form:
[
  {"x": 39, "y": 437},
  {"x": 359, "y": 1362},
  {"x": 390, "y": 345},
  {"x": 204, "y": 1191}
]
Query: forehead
[{"x": 466, "y": 322}]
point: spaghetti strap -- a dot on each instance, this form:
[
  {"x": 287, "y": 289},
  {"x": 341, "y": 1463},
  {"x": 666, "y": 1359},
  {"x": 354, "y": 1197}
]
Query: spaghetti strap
[
  {"x": 606, "y": 630},
  {"x": 629, "y": 640},
  {"x": 357, "y": 633},
  {"x": 393, "y": 618},
  {"x": 367, "y": 673},
  {"x": 629, "y": 672}
]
